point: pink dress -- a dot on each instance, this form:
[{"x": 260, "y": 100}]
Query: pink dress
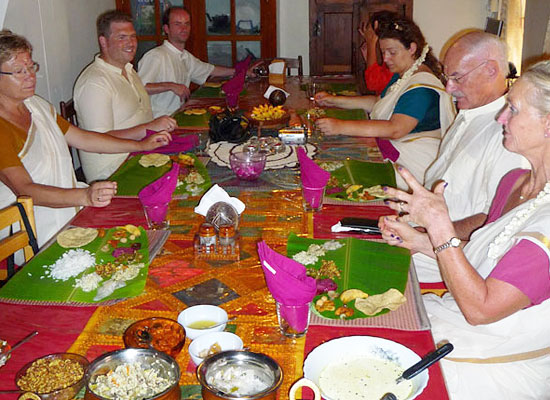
[{"x": 525, "y": 266}]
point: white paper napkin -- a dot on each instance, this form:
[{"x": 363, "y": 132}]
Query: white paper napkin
[
  {"x": 270, "y": 90},
  {"x": 339, "y": 228},
  {"x": 276, "y": 67},
  {"x": 214, "y": 195}
]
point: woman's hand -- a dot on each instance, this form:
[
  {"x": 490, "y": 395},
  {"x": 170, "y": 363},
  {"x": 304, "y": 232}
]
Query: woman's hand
[
  {"x": 423, "y": 207},
  {"x": 99, "y": 194},
  {"x": 164, "y": 123},
  {"x": 398, "y": 233},
  {"x": 156, "y": 140},
  {"x": 330, "y": 126}
]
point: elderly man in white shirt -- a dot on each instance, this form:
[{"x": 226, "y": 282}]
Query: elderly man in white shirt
[
  {"x": 109, "y": 95},
  {"x": 168, "y": 69},
  {"x": 472, "y": 158}
]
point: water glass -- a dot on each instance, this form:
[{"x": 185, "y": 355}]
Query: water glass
[
  {"x": 293, "y": 319},
  {"x": 156, "y": 215},
  {"x": 312, "y": 198}
]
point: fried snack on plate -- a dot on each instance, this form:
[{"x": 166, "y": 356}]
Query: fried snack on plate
[
  {"x": 184, "y": 159},
  {"x": 390, "y": 299},
  {"x": 352, "y": 294},
  {"x": 377, "y": 191},
  {"x": 76, "y": 237},
  {"x": 153, "y": 160},
  {"x": 212, "y": 84},
  {"x": 195, "y": 111}
]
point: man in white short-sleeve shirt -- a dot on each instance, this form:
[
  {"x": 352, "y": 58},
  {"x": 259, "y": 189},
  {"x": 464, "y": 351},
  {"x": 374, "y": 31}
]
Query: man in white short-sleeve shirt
[
  {"x": 109, "y": 95},
  {"x": 472, "y": 159},
  {"x": 168, "y": 69}
]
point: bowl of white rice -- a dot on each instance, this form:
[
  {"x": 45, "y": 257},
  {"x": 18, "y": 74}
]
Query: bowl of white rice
[{"x": 239, "y": 375}]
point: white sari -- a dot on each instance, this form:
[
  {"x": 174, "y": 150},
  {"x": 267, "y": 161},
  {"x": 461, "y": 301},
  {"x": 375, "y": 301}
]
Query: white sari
[
  {"x": 416, "y": 150},
  {"x": 507, "y": 359},
  {"x": 46, "y": 158}
]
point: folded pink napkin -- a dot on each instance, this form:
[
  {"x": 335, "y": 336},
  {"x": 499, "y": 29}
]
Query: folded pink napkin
[
  {"x": 178, "y": 144},
  {"x": 243, "y": 65},
  {"x": 389, "y": 152},
  {"x": 233, "y": 87},
  {"x": 159, "y": 193},
  {"x": 311, "y": 174},
  {"x": 289, "y": 285}
]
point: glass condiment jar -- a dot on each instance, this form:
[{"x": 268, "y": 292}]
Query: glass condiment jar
[
  {"x": 227, "y": 235},
  {"x": 207, "y": 237}
]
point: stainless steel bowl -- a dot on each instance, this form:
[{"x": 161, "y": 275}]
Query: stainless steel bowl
[
  {"x": 166, "y": 366},
  {"x": 263, "y": 366}
]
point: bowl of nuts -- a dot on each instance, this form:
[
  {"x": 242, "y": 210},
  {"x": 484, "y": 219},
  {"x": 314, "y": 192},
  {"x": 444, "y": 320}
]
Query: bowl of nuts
[{"x": 58, "y": 376}]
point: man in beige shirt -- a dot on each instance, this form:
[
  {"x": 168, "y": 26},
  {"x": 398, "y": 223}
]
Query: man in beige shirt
[{"x": 109, "y": 94}]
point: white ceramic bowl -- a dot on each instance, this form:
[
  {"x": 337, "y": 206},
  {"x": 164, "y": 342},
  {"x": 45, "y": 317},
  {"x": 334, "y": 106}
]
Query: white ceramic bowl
[
  {"x": 226, "y": 340},
  {"x": 344, "y": 348},
  {"x": 203, "y": 312}
]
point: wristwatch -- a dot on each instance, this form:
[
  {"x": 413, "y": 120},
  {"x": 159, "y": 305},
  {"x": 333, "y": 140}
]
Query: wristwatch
[{"x": 452, "y": 242}]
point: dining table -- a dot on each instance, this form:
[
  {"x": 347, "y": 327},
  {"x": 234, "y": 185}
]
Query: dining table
[{"x": 177, "y": 279}]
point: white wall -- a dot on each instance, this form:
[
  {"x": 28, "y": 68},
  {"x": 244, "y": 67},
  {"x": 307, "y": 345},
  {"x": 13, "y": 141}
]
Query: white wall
[
  {"x": 438, "y": 19},
  {"x": 63, "y": 36},
  {"x": 293, "y": 30}
]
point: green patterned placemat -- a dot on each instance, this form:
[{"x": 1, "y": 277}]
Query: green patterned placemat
[
  {"x": 369, "y": 266},
  {"x": 356, "y": 114},
  {"x": 352, "y": 172},
  {"x": 31, "y": 284},
  {"x": 131, "y": 177},
  {"x": 192, "y": 121}
]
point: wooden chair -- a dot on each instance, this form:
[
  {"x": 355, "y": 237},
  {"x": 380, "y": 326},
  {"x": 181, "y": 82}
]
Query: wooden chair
[
  {"x": 291, "y": 63},
  {"x": 22, "y": 213},
  {"x": 69, "y": 113}
]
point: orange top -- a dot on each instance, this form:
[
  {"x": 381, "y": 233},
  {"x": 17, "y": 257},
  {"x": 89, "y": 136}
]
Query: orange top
[{"x": 13, "y": 140}]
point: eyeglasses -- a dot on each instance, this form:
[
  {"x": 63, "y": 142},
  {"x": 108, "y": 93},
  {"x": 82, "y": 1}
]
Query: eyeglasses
[
  {"x": 20, "y": 72},
  {"x": 458, "y": 79}
]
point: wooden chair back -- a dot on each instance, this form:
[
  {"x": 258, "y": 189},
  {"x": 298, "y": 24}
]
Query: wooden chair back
[
  {"x": 69, "y": 113},
  {"x": 24, "y": 239}
]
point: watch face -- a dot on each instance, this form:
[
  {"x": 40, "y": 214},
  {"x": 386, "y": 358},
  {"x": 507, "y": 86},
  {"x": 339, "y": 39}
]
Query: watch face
[{"x": 455, "y": 242}]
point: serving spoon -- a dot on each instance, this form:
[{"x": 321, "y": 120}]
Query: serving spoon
[{"x": 16, "y": 345}]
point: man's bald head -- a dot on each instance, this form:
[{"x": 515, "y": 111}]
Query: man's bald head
[{"x": 477, "y": 66}]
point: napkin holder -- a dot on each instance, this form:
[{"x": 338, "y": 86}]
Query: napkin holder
[{"x": 276, "y": 74}]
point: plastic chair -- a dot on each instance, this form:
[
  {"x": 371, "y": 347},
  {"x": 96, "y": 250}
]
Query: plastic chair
[
  {"x": 22, "y": 212},
  {"x": 69, "y": 113}
]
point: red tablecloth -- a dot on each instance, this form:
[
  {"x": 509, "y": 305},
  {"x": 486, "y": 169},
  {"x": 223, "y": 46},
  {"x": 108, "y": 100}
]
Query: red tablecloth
[{"x": 420, "y": 342}]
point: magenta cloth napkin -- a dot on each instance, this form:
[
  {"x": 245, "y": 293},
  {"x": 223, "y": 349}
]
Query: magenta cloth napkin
[
  {"x": 159, "y": 193},
  {"x": 311, "y": 174},
  {"x": 388, "y": 151},
  {"x": 233, "y": 87},
  {"x": 243, "y": 65},
  {"x": 178, "y": 144},
  {"x": 290, "y": 284}
]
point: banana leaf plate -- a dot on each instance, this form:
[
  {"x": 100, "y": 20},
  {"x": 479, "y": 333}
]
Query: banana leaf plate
[{"x": 368, "y": 266}]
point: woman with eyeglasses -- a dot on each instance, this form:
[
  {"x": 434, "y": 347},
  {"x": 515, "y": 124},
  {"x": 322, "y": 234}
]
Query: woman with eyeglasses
[
  {"x": 413, "y": 110},
  {"x": 34, "y": 155},
  {"x": 496, "y": 311}
]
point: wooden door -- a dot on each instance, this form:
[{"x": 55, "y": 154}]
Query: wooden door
[{"x": 334, "y": 39}]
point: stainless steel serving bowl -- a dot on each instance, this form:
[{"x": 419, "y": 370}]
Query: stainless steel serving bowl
[
  {"x": 262, "y": 365},
  {"x": 166, "y": 366}
]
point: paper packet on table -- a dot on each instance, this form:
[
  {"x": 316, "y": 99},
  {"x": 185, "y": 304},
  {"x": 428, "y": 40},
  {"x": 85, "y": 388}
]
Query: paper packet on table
[
  {"x": 271, "y": 89},
  {"x": 215, "y": 195}
]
